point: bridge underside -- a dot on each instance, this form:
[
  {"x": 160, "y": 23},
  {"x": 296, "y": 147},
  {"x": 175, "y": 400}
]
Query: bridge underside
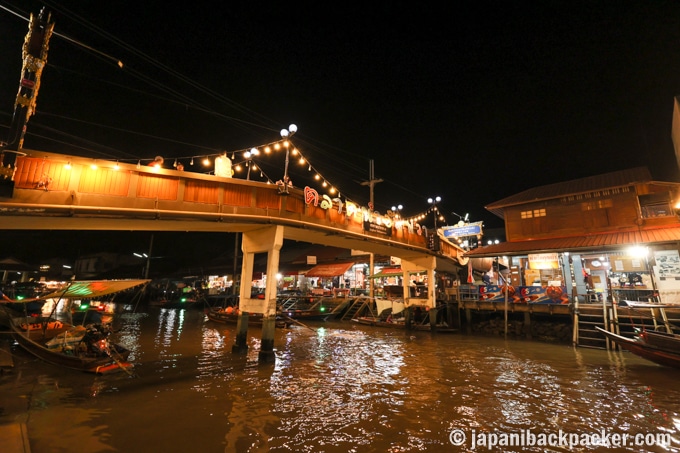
[{"x": 299, "y": 234}]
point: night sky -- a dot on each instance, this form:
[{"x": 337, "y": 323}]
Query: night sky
[{"x": 473, "y": 101}]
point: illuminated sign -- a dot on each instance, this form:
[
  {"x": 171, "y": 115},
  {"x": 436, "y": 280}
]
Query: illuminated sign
[{"x": 469, "y": 229}]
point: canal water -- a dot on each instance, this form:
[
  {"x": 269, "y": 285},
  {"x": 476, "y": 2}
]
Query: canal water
[{"x": 339, "y": 387}]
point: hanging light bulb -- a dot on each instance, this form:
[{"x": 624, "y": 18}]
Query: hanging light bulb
[
  {"x": 246, "y": 154},
  {"x": 192, "y": 161},
  {"x": 139, "y": 164},
  {"x": 254, "y": 151},
  {"x": 206, "y": 162},
  {"x": 174, "y": 164},
  {"x": 310, "y": 167},
  {"x": 302, "y": 160},
  {"x": 68, "y": 165},
  {"x": 116, "y": 166},
  {"x": 267, "y": 149}
]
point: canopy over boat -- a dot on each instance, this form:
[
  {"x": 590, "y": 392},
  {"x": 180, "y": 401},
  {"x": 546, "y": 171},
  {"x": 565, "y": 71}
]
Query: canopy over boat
[{"x": 91, "y": 289}]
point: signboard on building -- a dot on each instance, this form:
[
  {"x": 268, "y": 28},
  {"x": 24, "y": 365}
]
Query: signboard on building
[
  {"x": 379, "y": 228},
  {"x": 543, "y": 261}
]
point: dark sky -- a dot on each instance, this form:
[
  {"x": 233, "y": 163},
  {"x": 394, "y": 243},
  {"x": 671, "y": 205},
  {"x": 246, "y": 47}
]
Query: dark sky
[{"x": 473, "y": 101}]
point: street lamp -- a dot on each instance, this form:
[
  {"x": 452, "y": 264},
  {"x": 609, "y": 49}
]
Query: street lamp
[
  {"x": 285, "y": 133},
  {"x": 433, "y": 202},
  {"x": 397, "y": 209}
]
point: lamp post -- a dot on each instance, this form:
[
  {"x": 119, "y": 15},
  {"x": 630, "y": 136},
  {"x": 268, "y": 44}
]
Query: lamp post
[
  {"x": 433, "y": 202},
  {"x": 397, "y": 209},
  {"x": 286, "y": 133}
]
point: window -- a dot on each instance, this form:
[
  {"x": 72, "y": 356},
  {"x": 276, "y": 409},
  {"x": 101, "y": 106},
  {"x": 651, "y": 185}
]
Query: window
[
  {"x": 533, "y": 213},
  {"x": 655, "y": 205},
  {"x": 599, "y": 204}
]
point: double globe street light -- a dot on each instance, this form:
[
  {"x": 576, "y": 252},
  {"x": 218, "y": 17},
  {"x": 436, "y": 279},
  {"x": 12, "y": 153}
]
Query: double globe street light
[
  {"x": 433, "y": 202},
  {"x": 285, "y": 134}
]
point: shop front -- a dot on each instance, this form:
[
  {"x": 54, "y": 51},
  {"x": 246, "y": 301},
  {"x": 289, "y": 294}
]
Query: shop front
[{"x": 644, "y": 273}]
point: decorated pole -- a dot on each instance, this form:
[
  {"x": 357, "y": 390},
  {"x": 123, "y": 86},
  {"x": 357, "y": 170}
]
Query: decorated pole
[{"x": 34, "y": 57}]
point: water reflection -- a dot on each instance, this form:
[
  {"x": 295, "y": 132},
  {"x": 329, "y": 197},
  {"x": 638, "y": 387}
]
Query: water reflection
[{"x": 333, "y": 387}]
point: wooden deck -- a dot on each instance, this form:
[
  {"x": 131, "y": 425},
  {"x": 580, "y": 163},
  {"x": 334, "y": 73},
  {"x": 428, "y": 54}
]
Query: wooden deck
[{"x": 14, "y": 438}]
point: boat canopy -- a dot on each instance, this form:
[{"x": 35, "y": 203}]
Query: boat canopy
[
  {"x": 384, "y": 304},
  {"x": 93, "y": 289},
  {"x": 329, "y": 270}
]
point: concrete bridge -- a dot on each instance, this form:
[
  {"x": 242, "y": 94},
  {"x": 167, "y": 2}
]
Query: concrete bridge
[{"x": 62, "y": 192}]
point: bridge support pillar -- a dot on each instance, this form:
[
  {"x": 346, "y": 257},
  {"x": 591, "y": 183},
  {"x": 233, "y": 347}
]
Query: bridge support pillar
[
  {"x": 266, "y": 354},
  {"x": 241, "y": 344},
  {"x": 267, "y": 240},
  {"x": 420, "y": 264}
]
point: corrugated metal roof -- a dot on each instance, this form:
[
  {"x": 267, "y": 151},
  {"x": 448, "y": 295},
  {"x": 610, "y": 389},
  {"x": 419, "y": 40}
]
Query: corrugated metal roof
[
  {"x": 600, "y": 241},
  {"x": 577, "y": 186}
]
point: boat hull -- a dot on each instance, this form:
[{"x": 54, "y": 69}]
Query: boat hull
[
  {"x": 33, "y": 340},
  {"x": 639, "y": 347},
  {"x": 254, "y": 319}
]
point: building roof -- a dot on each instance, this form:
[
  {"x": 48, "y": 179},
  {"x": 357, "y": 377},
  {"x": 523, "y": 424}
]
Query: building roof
[
  {"x": 583, "y": 242},
  {"x": 610, "y": 180}
]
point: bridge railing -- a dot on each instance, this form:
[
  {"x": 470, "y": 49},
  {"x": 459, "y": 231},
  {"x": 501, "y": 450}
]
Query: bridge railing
[{"x": 63, "y": 182}]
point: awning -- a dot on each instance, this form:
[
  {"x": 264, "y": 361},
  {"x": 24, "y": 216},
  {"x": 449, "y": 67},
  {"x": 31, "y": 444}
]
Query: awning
[
  {"x": 93, "y": 289},
  {"x": 395, "y": 272},
  {"x": 601, "y": 241},
  {"x": 388, "y": 272},
  {"x": 329, "y": 270}
]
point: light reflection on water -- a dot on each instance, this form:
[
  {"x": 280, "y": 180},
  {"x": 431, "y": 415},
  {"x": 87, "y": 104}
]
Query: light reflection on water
[{"x": 337, "y": 387}]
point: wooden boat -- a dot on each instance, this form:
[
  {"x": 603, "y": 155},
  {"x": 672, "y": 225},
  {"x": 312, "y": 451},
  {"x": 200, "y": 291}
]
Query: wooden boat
[
  {"x": 662, "y": 340},
  {"x": 379, "y": 322},
  {"x": 84, "y": 348},
  {"x": 663, "y": 352},
  {"x": 225, "y": 316},
  {"x": 400, "y": 323},
  {"x": 310, "y": 308}
]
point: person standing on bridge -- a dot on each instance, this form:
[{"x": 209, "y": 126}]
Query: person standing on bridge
[{"x": 157, "y": 162}]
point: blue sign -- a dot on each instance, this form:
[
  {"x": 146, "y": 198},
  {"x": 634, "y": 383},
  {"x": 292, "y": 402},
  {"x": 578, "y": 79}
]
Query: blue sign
[{"x": 471, "y": 229}]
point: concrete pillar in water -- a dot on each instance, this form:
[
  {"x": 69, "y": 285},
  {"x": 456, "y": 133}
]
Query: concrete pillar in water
[
  {"x": 266, "y": 354},
  {"x": 241, "y": 344},
  {"x": 265, "y": 240},
  {"x": 419, "y": 264}
]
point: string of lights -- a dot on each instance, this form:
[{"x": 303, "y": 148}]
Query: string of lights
[{"x": 249, "y": 160}]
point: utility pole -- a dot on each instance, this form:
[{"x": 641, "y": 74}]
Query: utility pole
[
  {"x": 371, "y": 205},
  {"x": 34, "y": 55},
  {"x": 371, "y": 183}
]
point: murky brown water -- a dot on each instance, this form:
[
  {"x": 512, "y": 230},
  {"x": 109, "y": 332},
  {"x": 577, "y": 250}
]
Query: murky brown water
[{"x": 338, "y": 387}]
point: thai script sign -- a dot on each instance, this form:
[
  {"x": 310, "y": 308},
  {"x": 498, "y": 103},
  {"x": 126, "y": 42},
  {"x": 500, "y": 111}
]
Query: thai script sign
[{"x": 470, "y": 229}]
